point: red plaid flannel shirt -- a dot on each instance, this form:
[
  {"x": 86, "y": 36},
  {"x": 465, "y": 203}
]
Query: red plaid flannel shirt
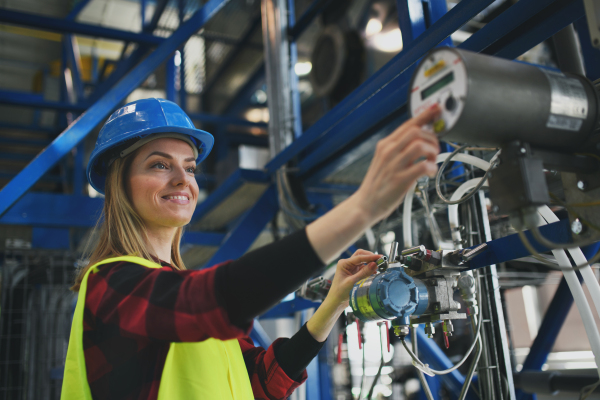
[{"x": 133, "y": 313}]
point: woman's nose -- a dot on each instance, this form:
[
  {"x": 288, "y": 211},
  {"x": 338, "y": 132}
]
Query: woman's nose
[{"x": 181, "y": 177}]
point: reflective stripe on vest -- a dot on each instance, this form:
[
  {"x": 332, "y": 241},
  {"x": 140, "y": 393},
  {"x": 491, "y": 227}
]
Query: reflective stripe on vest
[{"x": 212, "y": 369}]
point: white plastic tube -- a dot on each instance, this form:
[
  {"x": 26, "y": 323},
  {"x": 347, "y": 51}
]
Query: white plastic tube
[
  {"x": 408, "y": 199},
  {"x": 579, "y": 258}
]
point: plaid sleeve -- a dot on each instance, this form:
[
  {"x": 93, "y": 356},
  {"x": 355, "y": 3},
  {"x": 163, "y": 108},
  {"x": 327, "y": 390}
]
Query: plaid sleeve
[
  {"x": 162, "y": 304},
  {"x": 268, "y": 380}
]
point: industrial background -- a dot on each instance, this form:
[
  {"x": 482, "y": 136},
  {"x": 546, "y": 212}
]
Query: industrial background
[{"x": 296, "y": 93}]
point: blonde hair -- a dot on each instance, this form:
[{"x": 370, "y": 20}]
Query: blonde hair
[{"x": 122, "y": 230}]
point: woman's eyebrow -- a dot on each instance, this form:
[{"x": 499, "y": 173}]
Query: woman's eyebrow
[
  {"x": 165, "y": 155},
  {"x": 159, "y": 153}
]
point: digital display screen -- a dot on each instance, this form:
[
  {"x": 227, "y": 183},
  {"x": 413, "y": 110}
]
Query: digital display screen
[{"x": 443, "y": 81}]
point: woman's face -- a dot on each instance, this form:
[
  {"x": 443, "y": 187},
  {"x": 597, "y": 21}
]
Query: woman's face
[{"x": 162, "y": 184}]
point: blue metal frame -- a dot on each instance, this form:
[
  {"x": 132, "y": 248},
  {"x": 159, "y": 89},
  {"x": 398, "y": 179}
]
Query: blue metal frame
[{"x": 100, "y": 110}]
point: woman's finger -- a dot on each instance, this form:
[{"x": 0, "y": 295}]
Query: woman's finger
[
  {"x": 417, "y": 122},
  {"x": 416, "y": 150},
  {"x": 365, "y": 272},
  {"x": 363, "y": 258},
  {"x": 412, "y": 133},
  {"x": 362, "y": 251},
  {"x": 426, "y": 116}
]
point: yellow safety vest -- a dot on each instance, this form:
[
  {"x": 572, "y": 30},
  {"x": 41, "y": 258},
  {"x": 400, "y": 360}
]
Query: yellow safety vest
[{"x": 208, "y": 370}]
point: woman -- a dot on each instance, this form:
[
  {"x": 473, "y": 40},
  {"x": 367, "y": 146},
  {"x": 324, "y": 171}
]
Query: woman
[{"x": 147, "y": 328}]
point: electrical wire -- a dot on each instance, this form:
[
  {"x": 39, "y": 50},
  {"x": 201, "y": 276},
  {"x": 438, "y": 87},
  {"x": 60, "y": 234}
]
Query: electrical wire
[
  {"x": 431, "y": 372},
  {"x": 438, "y": 178}
]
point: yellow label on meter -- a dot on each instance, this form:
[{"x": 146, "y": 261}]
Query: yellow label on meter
[{"x": 436, "y": 68}]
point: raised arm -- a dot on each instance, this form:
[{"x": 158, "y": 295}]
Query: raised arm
[{"x": 390, "y": 174}]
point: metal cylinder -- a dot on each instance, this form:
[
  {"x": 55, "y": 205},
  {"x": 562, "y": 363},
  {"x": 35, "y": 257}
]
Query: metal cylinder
[
  {"x": 490, "y": 101},
  {"x": 389, "y": 295}
]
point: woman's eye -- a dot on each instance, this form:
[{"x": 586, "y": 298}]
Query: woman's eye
[
  {"x": 191, "y": 170},
  {"x": 159, "y": 166}
]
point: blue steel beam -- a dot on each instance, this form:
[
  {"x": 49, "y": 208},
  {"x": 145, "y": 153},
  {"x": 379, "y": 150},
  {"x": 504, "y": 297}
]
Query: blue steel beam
[
  {"x": 71, "y": 27},
  {"x": 6, "y": 175},
  {"x": 510, "y": 247},
  {"x": 240, "y": 238},
  {"x": 411, "y": 19},
  {"x": 99, "y": 111},
  {"x": 54, "y": 210},
  {"x": 36, "y": 128},
  {"x": 14, "y": 98}
]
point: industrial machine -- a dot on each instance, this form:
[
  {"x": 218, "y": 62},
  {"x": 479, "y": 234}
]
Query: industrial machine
[{"x": 540, "y": 120}]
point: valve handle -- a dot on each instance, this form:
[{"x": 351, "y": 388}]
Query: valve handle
[{"x": 446, "y": 341}]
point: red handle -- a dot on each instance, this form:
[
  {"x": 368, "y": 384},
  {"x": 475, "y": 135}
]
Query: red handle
[
  {"x": 446, "y": 341},
  {"x": 340, "y": 341},
  {"x": 359, "y": 337},
  {"x": 387, "y": 329}
]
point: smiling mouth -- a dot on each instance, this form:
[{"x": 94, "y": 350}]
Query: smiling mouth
[{"x": 176, "y": 197}]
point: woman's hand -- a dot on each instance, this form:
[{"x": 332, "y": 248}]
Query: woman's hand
[
  {"x": 349, "y": 271},
  {"x": 394, "y": 167}
]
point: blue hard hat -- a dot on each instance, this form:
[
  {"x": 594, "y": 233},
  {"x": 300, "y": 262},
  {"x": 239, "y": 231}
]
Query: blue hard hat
[{"x": 135, "y": 121}]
